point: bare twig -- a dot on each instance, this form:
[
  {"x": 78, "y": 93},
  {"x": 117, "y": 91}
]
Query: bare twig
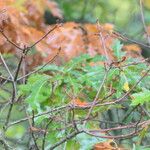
[
  {"x": 38, "y": 41},
  {"x": 5, "y": 79},
  {"x": 98, "y": 92},
  {"x": 45, "y": 133},
  {"x": 29, "y": 47},
  {"x": 11, "y": 42},
  {"x": 68, "y": 137},
  {"x": 35, "y": 71},
  {"x": 126, "y": 38},
  {"x": 7, "y": 68},
  {"x": 14, "y": 89},
  {"x": 38, "y": 115},
  {"x": 143, "y": 21},
  {"x": 134, "y": 133},
  {"x": 103, "y": 42},
  {"x": 32, "y": 133}
]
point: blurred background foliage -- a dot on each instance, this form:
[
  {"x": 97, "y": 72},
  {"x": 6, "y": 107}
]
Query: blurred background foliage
[{"x": 124, "y": 14}]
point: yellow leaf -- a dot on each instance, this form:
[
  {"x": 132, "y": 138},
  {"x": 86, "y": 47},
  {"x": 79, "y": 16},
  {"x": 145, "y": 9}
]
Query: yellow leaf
[{"x": 126, "y": 86}]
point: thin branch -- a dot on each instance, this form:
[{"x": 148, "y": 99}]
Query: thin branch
[
  {"x": 98, "y": 92},
  {"x": 15, "y": 45},
  {"x": 129, "y": 113},
  {"x": 56, "y": 26},
  {"x": 129, "y": 126},
  {"x": 127, "y": 93},
  {"x": 35, "y": 71},
  {"x": 126, "y": 38},
  {"x": 45, "y": 133},
  {"x": 143, "y": 21},
  {"x": 38, "y": 115},
  {"x": 134, "y": 133},
  {"x": 24, "y": 53},
  {"x": 32, "y": 133},
  {"x": 68, "y": 137},
  {"x": 5, "y": 79},
  {"x": 14, "y": 85},
  {"x": 11, "y": 42},
  {"x": 13, "y": 92},
  {"x": 103, "y": 42},
  {"x": 7, "y": 68},
  {"x": 4, "y": 143}
]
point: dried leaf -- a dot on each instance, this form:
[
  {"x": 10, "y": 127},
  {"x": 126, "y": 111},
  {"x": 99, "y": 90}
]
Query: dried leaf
[
  {"x": 104, "y": 146},
  {"x": 108, "y": 145},
  {"x": 133, "y": 50},
  {"x": 78, "y": 102}
]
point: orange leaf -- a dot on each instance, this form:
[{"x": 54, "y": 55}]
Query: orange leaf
[
  {"x": 132, "y": 50},
  {"x": 108, "y": 145},
  {"x": 78, "y": 102}
]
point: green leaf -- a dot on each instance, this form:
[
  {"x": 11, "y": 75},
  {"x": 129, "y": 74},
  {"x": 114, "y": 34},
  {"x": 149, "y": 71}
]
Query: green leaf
[
  {"x": 117, "y": 46},
  {"x": 76, "y": 62},
  {"x": 15, "y": 131},
  {"x": 140, "y": 98},
  {"x": 72, "y": 145},
  {"x": 37, "y": 90}
]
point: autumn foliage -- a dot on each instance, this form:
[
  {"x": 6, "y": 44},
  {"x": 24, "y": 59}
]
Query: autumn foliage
[{"x": 19, "y": 22}]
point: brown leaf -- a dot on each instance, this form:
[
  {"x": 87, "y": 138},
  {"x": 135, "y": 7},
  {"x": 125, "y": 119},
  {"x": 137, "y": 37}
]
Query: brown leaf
[{"x": 108, "y": 145}]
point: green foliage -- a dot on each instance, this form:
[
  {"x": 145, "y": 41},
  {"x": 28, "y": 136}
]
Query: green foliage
[
  {"x": 37, "y": 90},
  {"x": 76, "y": 76},
  {"x": 55, "y": 86},
  {"x": 117, "y": 46},
  {"x": 140, "y": 98},
  {"x": 91, "y": 10}
]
